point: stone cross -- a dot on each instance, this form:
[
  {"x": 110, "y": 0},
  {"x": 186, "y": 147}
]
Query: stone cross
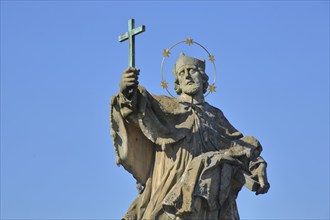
[{"x": 130, "y": 36}]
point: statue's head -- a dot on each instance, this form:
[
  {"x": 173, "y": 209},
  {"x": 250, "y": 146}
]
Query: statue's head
[{"x": 190, "y": 76}]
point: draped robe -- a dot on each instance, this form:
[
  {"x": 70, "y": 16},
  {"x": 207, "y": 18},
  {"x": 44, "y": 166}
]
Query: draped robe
[{"x": 190, "y": 161}]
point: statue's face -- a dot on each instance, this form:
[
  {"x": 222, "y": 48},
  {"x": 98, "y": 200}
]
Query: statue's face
[{"x": 190, "y": 81}]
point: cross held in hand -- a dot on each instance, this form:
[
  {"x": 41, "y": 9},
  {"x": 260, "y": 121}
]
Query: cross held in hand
[{"x": 130, "y": 36}]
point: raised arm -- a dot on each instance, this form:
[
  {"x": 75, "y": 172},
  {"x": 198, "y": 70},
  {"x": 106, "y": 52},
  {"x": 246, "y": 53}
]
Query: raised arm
[{"x": 125, "y": 100}]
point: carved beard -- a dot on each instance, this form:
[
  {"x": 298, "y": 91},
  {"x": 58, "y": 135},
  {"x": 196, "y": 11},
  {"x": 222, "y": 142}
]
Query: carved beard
[{"x": 192, "y": 88}]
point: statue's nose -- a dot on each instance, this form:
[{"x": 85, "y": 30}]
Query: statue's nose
[{"x": 186, "y": 72}]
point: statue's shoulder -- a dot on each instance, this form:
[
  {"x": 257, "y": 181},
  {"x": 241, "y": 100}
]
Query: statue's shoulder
[
  {"x": 160, "y": 98},
  {"x": 164, "y": 98},
  {"x": 216, "y": 111},
  {"x": 167, "y": 104}
]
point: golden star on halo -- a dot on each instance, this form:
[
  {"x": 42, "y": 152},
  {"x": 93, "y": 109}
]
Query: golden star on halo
[
  {"x": 166, "y": 53},
  {"x": 189, "y": 41},
  {"x": 212, "y": 88},
  {"x": 211, "y": 58},
  {"x": 164, "y": 84}
]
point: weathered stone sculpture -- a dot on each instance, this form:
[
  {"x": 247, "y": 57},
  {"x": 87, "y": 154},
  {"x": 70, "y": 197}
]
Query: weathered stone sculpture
[{"x": 189, "y": 160}]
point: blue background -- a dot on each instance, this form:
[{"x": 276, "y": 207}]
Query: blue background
[{"x": 61, "y": 62}]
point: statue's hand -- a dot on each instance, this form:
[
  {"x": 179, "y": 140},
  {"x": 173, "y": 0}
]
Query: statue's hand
[
  {"x": 260, "y": 173},
  {"x": 129, "y": 80}
]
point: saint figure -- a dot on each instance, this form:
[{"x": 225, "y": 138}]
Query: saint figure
[{"x": 188, "y": 160}]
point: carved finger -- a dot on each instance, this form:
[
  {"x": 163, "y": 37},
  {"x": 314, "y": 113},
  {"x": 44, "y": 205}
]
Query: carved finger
[
  {"x": 129, "y": 80},
  {"x": 131, "y": 75},
  {"x": 131, "y": 84},
  {"x": 128, "y": 70}
]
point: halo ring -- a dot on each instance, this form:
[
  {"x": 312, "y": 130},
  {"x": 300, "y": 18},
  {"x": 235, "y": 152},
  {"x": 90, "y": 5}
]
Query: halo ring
[{"x": 189, "y": 41}]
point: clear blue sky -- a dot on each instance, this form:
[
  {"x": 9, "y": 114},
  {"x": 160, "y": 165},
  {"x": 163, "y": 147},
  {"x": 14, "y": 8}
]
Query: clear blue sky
[{"x": 61, "y": 62}]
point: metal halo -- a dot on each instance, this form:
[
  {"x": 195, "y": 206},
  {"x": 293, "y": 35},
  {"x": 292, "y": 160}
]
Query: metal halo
[{"x": 189, "y": 41}]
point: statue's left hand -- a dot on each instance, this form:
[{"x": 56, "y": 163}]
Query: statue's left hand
[{"x": 261, "y": 174}]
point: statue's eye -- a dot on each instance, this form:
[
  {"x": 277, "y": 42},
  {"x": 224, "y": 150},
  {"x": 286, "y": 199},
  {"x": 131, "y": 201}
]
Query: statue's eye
[{"x": 192, "y": 71}]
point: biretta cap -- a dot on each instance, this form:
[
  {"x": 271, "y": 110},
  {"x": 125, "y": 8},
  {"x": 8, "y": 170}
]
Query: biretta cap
[{"x": 188, "y": 62}]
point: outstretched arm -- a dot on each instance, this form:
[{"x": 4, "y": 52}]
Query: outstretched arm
[
  {"x": 133, "y": 150},
  {"x": 126, "y": 98}
]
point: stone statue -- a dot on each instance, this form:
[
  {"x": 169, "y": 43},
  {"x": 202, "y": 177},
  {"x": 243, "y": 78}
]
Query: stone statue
[{"x": 188, "y": 160}]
